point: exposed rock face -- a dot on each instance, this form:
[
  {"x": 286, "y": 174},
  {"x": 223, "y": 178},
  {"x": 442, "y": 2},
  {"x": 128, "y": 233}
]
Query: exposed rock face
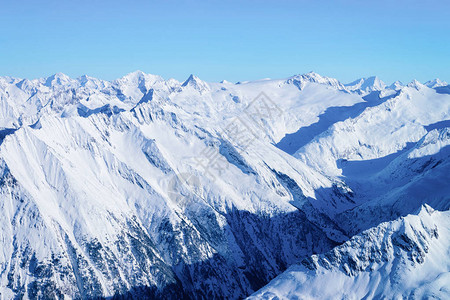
[
  {"x": 145, "y": 188},
  {"x": 397, "y": 259}
]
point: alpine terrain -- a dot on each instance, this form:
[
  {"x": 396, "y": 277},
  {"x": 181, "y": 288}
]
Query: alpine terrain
[{"x": 143, "y": 188}]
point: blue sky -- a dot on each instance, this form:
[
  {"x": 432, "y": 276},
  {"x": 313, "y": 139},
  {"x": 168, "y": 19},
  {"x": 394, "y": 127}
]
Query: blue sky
[{"x": 233, "y": 40}]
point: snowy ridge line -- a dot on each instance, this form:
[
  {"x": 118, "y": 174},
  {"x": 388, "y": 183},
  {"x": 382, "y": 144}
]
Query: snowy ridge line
[
  {"x": 401, "y": 258},
  {"x": 104, "y": 190},
  {"x": 237, "y": 132}
]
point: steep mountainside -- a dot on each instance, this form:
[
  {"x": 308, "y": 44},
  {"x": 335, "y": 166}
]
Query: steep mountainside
[
  {"x": 401, "y": 259},
  {"x": 148, "y": 187}
]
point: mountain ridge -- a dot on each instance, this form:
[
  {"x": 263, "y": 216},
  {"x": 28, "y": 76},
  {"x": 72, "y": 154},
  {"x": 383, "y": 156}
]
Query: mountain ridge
[{"x": 148, "y": 187}]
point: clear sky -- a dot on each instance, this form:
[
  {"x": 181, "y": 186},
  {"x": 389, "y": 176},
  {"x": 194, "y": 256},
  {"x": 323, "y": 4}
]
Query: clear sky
[{"x": 233, "y": 40}]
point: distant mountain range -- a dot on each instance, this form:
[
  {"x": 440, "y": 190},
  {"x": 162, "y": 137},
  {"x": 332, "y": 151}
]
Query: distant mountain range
[{"x": 143, "y": 188}]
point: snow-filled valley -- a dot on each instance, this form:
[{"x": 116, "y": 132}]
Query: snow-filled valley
[{"x": 302, "y": 187}]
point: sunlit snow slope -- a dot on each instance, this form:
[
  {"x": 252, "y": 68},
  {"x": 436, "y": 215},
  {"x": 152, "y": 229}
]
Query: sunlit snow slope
[
  {"x": 145, "y": 187},
  {"x": 402, "y": 259}
]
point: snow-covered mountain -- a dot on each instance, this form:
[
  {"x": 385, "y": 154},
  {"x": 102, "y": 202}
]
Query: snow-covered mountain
[
  {"x": 397, "y": 85},
  {"x": 435, "y": 83},
  {"x": 146, "y": 187},
  {"x": 402, "y": 259},
  {"x": 366, "y": 85}
]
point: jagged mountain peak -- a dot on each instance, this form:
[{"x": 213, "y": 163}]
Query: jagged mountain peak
[
  {"x": 416, "y": 84},
  {"x": 366, "y": 85},
  {"x": 435, "y": 83},
  {"x": 397, "y": 85},
  {"x": 25, "y": 84},
  {"x": 375, "y": 81},
  {"x": 196, "y": 83},
  {"x": 301, "y": 80},
  {"x": 9, "y": 79},
  {"x": 312, "y": 74},
  {"x": 57, "y": 79},
  {"x": 191, "y": 79},
  {"x": 136, "y": 84},
  {"x": 425, "y": 209},
  {"x": 91, "y": 82},
  {"x": 138, "y": 76}
]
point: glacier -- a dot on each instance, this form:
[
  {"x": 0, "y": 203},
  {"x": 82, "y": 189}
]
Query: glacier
[{"x": 147, "y": 188}]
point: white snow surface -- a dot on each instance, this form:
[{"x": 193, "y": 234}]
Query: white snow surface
[
  {"x": 366, "y": 85},
  {"x": 401, "y": 259},
  {"x": 95, "y": 199},
  {"x": 435, "y": 83}
]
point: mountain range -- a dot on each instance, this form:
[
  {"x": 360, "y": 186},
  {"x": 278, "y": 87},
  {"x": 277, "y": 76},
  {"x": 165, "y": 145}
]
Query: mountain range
[{"x": 143, "y": 188}]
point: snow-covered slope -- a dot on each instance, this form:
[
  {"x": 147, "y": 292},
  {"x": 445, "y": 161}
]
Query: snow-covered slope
[
  {"x": 366, "y": 85},
  {"x": 149, "y": 187},
  {"x": 402, "y": 259},
  {"x": 435, "y": 83},
  {"x": 373, "y": 154}
]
